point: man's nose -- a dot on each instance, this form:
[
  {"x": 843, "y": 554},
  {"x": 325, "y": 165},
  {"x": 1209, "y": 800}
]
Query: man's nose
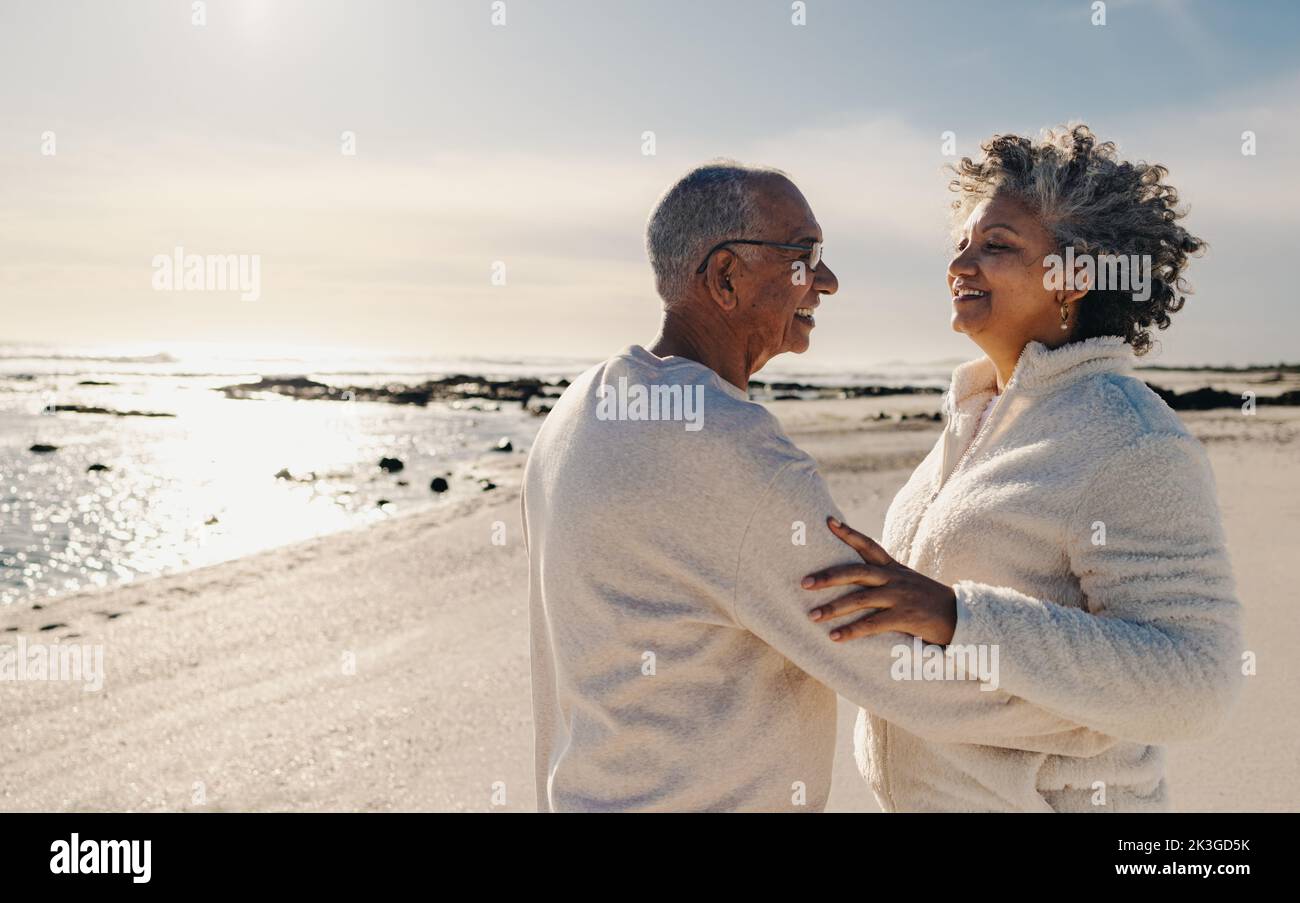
[{"x": 826, "y": 282}]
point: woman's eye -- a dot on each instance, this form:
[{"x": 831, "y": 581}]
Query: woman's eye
[{"x": 994, "y": 246}]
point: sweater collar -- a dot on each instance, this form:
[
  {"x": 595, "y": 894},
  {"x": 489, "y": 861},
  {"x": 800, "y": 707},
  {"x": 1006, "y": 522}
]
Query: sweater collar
[{"x": 1040, "y": 369}]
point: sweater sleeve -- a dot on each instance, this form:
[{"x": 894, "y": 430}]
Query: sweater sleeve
[
  {"x": 770, "y": 603},
  {"x": 1155, "y": 657}
]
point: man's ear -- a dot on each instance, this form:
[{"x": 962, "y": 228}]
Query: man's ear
[{"x": 719, "y": 278}]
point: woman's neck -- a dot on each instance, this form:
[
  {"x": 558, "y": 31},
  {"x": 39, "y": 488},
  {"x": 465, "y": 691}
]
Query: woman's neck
[
  {"x": 1006, "y": 355},
  {"x": 1004, "y": 362}
]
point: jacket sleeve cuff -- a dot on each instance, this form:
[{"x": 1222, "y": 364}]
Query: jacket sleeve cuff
[{"x": 970, "y": 616}]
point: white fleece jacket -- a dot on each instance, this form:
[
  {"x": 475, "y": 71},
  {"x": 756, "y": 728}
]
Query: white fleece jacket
[{"x": 1080, "y": 530}]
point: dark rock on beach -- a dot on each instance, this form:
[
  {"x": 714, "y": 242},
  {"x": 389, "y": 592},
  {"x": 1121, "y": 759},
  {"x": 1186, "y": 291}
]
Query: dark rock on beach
[
  {"x": 391, "y": 465},
  {"x": 411, "y": 396},
  {"x": 1207, "y": 399},
  {"x": 96, "y": 468},
  {"x": 792, "y": 391},
  {"x": 41, "y": 449},
  {"x": 293, "y": 386},
  {"x": 458, "y": 387},
  {"x": 86, "y": 409},
  {"x": 1204, "y": 399},
  {"x": 438, "y": 484},
  {"x": 878, "y": 391},
  {"x": 792, "y": 387},
  {"x": 1287, "y": 398}
]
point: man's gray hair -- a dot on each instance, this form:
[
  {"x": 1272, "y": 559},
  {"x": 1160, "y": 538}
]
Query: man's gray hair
[{"x": 710, "y": 204}]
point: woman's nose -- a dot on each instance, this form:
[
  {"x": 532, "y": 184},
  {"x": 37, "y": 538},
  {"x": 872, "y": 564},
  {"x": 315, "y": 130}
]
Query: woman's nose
[{"x": 961, "y": 265}]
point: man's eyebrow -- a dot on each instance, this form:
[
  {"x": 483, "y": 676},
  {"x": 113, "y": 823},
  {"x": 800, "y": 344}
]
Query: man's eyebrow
[{"x": 804, "y": 240}]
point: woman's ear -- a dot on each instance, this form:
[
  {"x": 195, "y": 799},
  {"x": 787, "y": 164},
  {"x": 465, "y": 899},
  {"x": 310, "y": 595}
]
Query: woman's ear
[{"x": 1082, "y": 285}]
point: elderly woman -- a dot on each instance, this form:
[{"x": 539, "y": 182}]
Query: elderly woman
[{"x": 1065, "y": 518}]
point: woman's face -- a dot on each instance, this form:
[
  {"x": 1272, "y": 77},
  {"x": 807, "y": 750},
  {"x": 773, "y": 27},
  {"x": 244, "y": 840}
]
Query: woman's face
[{"x": 995, "y": 279}]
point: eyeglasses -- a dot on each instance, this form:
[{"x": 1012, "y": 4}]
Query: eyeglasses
[{"x": 814, "y": 251}]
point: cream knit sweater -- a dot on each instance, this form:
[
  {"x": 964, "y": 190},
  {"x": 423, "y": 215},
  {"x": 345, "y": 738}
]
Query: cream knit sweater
[{"x": 1081, "y": 532}]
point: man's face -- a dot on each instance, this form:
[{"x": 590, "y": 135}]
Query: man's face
[{"x": 776, "y": 292}]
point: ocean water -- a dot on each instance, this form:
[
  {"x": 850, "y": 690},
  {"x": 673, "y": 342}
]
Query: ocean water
[{"x": 201, "y": 486}]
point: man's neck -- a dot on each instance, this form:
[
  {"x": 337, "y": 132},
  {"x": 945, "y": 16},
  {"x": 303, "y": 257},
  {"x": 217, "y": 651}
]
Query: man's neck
[{"x": 682, "y": 338}]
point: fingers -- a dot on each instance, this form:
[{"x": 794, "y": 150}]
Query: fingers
[
  {"x": 882, "y": 621},
  {"x": 862, "y": 599},
  {"x": 846, "y": 575},
  {"x": 864, "y": 545}
]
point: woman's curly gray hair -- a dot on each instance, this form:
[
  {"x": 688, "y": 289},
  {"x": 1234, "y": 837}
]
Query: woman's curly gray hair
[{"x": 1086, "y": 197}]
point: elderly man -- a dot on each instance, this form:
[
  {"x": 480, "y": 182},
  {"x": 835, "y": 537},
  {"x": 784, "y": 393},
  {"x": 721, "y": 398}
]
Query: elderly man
[{"x": 669, "y": 521}]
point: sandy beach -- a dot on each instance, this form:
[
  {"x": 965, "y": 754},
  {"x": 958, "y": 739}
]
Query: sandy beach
[{"x": 386, "y": 668}]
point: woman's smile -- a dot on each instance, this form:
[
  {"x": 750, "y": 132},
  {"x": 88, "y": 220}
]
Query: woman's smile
[{"x": 962, "y": 292}]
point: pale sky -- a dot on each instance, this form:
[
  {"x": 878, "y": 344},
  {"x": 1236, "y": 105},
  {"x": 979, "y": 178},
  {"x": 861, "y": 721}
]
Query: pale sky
[{"x": 522, "y": 143}]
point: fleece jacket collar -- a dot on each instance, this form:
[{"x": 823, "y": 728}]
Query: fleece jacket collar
[{"x": 1039, "y": 370}]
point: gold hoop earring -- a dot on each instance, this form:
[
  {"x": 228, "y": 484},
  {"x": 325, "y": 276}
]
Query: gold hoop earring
[{"x": 1065, "y": 315}]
